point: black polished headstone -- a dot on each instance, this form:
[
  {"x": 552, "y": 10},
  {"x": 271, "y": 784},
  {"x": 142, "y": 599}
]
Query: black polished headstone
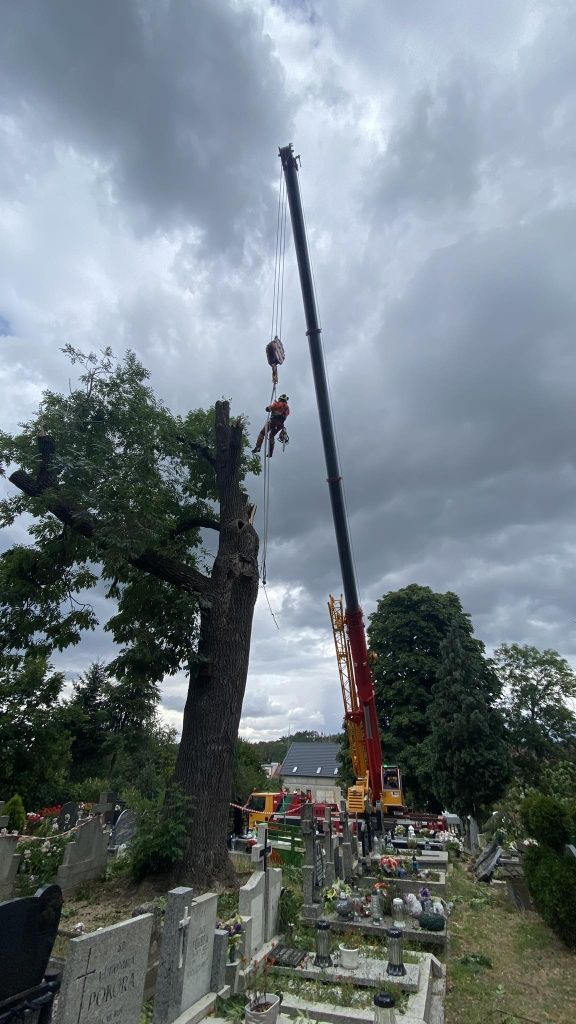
[
  {"x": 319, "y": 865},
  {"x": 285, "y": 956},
  {"x": 68, "y": 816},
  {"x": 28, "y": 928}
]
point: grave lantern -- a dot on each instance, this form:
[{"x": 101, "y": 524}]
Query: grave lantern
[
  {"x": 384, "y": 1009},
  {"x": 323, "y": 958},
  {"x": 398, "y": 912},
  {"x": 395, "y": 952}
]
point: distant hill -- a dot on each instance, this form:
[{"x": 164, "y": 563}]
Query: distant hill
[{"x": 276, "y": 750}]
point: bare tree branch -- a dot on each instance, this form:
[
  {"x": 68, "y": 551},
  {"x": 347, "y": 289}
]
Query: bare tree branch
[{"x": 194, "y": 522}]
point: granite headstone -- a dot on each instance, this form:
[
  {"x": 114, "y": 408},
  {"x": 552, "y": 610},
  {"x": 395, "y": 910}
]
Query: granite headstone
[
  {"x": 252, "y": 897},
  {"x": 68, "y": 816},
  {"x": 125, "y": 828},
  {"x": 28, "y": 929},
  {"x": 84, "y": 858}
]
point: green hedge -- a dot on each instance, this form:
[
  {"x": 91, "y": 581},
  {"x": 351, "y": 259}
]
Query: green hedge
[
  {"x": 547, "y": 820},
  {"x": 551, "y": 879}
]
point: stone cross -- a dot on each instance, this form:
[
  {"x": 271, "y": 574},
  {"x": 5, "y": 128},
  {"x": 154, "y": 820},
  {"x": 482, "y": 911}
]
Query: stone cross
[
  {"x": 84, "y": 978},
  {"x": 265, "y": 847}
]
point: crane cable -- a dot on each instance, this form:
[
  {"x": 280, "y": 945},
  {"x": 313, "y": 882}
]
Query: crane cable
[{"x": 275, "y": 331}]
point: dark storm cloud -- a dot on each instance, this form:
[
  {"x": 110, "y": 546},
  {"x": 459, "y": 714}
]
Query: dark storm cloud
[
  {"x": 176, "y": 102},
  {"x": 438, "y": 178},
  {"x": 433, "y": 155}
]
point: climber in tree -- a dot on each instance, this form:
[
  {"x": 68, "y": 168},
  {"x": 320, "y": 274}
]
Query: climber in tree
[{"x": 278, "y": 410}]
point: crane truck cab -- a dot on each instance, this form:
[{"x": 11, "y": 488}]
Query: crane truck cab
[
  {"x": 391, "y": 798},
  {"x": 282, "y": 807},
  {"x": 261, "y": 806},
  {"x": 359, "y": 797}
]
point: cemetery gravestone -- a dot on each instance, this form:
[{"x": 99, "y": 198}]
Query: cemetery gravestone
[
  {"x": 84, "y": 858},
  {"x": 109, "y": 807},
  {"x": 68, "y": 816},
  {"x": 185, "y": 967},
  {"x": 329, "y": 847},
  {"x": 319, "y": 865},
  {"x": 125, "y": 828},
  {"x": 168, "y": 998},
  {"x": 154, "y": 950},
  {"x": 346, "y": 846},
  {"x": 251, "y": 904},
  {"x": 103, "y": 980},
  {"x": 273, "y": 890},
  {"x": 28, "y": 929},
  {"x": 487, "y": 862},
  {"x": 472, "y": 833},
  {"x": 9, "y": 864},
  {"x": 199, "y": 949},
  {"x": 219, "y": 960}
]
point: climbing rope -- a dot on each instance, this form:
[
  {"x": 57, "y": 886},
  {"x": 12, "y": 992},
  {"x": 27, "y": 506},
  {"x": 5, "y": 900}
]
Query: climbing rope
[
  {"x": 279, "y": 260},
  {"x": 275, "y": 335},
  {"x": 266, "y": 502}
]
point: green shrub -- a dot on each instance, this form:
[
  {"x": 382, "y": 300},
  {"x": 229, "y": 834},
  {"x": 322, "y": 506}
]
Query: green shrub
[
  {"x": 160, "y": 838},
  {"x": 551, "y": 879},
  {"x": 546, "y": 820},
  {"x": 288, "y": 909},
  {"x": 14, "y": 808},
  {"x": 88, "y": 791}
]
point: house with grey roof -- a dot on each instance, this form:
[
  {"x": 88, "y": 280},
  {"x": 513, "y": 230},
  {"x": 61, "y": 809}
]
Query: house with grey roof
[{"x": 314, "y": 767}]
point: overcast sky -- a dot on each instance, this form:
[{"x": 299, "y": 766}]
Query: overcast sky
[{"x": 138, "y": 192}]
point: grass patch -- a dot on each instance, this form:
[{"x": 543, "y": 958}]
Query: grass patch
[{"x": 532, "y": 977}]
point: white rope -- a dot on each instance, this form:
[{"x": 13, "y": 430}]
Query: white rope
[
  {"x": 275, "y": 331},
  {"x": 266, "y": 503}
]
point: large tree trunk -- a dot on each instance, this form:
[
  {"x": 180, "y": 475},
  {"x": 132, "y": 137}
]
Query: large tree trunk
[{"x": 214, "y": 704}]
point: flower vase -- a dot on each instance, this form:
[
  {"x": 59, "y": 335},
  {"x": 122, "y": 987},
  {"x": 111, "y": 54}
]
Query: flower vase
[
  {"x": 265, "y": 1011},
  {"x": 344, "y": 907}
]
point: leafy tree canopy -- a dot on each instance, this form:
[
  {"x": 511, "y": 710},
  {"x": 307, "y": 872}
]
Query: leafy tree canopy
[
  {"x": 116, "y": 736},
  {"x": 134, "y": 488},
  {"x": 406, "y": 632},
  {"x": 538, "y": 687},
  {"x": 34, "y": 745}
]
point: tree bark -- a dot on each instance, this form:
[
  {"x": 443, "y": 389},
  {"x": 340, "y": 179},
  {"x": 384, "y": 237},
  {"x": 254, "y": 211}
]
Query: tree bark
[{"x": 212, "y": 713}]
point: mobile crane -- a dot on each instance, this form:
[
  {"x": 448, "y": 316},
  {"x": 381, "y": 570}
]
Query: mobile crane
[{"x": 375, "y": 784}]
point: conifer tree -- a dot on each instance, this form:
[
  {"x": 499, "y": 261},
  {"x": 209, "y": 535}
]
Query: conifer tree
[
  {"x": 469, "y": 760},
  {"x": 406, "y": 633}
]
